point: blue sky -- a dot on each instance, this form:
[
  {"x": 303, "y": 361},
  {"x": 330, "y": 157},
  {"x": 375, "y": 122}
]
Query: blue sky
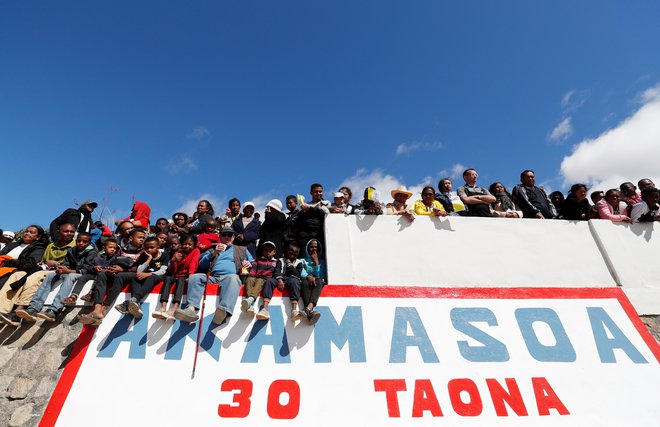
[{"x": 168, "y": 102}]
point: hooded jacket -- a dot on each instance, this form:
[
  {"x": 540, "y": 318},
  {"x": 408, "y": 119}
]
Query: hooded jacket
[
  {"x": 140, "y": 212},
  {"x": 82, "y": 262},
  {"x": 308, "y": 267}
]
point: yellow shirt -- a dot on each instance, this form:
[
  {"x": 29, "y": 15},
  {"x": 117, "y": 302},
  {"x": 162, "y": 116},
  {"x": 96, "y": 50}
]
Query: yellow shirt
[
  {"x": 57, "y": 253},
  {"x": 421, "y": 209}
]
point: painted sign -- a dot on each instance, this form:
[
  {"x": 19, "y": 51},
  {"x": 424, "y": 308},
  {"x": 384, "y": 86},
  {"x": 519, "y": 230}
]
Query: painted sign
[{"x": 385, "y": 356}]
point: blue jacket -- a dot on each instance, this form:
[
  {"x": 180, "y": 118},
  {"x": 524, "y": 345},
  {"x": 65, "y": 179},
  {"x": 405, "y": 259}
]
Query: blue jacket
[{"x": 250, "y": 234}]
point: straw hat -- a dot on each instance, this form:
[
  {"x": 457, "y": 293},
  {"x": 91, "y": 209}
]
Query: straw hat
[{"x": 401, "y": 190}]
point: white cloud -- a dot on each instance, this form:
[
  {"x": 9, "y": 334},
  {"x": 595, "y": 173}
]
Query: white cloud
[
  {"x": 199, "y": 133},
  {"x": 562, "y": 131},
  {"x": 190, "y": 206},
  {"x": 624, "y": 153},
  {"x": 573, "y": 100},
  {"x": 185, "y": 163},
  {"x": 409, "y": 147},
  {"x": 455, "y": 172}
]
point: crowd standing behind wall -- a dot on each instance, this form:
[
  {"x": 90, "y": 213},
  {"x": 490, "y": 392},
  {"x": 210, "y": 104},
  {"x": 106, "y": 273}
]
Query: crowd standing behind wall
[{"x": 284, "y": 250}]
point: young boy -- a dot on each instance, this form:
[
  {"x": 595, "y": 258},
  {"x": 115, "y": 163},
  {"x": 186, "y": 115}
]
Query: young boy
[
  {"x": 288, "y": 272},
  {"x": 78, "y": 261},
  {"x": 100, "y": 264},
  {"x": 261, "y": 270},
  {"x": 151, "y": 268},
  {"x": 209, "y": 237},
  {"x": 135, "y": 243},
  {"x": 340, "y": 205},
  {"x": 647, "y": 210}
]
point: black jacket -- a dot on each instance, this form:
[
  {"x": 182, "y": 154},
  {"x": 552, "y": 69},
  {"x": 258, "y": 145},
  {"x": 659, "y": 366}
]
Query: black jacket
[
  {"x": 250, "y": 234},
  {"x": 28, "y": 259},
  {"x": 81, "y": 217},
  {"x": 273, "y": 230},
  {"x": 82, "y": 262}
]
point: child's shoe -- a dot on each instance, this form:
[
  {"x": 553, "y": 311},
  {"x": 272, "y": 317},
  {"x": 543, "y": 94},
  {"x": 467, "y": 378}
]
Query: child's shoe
[
  {"x": 134, "y": 309},
  {"x": 246, "y": 304},
  {"x": 263, "y": 314},
  {"x": 159, "y": 315},
  {"x": 313, "y": 316},
  {"x": 295, "y": 315},
  {"x": 122, "y": 308}
]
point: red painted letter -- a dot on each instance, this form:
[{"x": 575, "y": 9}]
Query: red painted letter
[
  {"x": 425, "y": 399},
  {"x": 283, "y": 412},
  {"x": 546, "y": 398},
  {"x": 474, "y": 406},
  {"x": 242, "y": 398},
  {"x": 391, "y": 387},
  {"x": 512, "y": 397}
]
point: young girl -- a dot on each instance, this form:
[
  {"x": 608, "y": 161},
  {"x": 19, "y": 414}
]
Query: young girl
[{"x": 184, "y": 263}]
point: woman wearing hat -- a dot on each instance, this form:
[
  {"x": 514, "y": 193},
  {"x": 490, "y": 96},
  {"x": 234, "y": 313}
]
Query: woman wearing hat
[
  {"x": 399, "y": 206},
  {"x": 274, "y": 226}
]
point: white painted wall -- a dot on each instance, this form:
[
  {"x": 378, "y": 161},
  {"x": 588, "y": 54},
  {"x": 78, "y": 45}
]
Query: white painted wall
[{"x": 457, "y": 251}]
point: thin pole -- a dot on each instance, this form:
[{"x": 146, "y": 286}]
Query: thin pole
[{"x": 201, "y": 315}]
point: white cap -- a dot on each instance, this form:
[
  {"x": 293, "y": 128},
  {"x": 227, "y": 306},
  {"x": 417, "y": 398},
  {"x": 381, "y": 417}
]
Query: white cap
[
  {"x": 8, "y": 234},
  {"x": 246, "y": 204}
]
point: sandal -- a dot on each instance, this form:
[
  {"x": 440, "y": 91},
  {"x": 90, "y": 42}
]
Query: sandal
[
  {"x": 87, "y": 297},
  {"x": 91, "y": 319},
  {"x": 70, "y": 301},
  {"x": 159, "y": 315}
]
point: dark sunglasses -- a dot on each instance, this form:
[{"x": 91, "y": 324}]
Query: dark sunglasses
[{"x": 227, "y": 234}]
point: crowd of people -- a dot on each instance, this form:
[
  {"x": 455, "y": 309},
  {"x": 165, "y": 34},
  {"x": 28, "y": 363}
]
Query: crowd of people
[{"x": 283, "y": 250}]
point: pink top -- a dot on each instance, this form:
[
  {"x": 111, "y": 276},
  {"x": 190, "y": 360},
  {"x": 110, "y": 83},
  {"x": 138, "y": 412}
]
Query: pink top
[{"x": 606, "y": 211}]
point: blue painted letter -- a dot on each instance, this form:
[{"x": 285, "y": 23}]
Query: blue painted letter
[
  {"x": 350, "y": 330},
  {"x": 404, "y": 316},
  {"x": 120, "y": 333},
  {"x": 599, "y": 321},
  {"x": 209, "y": 342},
  {"x": 258, "y": 338},
  {"x": 492, "y": 350},
  {"x": 561, "y": 351}
]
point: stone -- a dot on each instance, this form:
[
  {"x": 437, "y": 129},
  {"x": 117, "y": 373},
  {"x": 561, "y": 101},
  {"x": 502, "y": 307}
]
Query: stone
[
  {"x": 45, "y": 387},
  {"x": 21, "y": 415},
  {"x": 25, "y": 362},
  {"x": 55, "y": 335},
  {"x": 50, "y": 361},
  {"x": 5, "y": 380},
  {"x": 20, "y": 388},
  {"x": 6, "y": 353}
]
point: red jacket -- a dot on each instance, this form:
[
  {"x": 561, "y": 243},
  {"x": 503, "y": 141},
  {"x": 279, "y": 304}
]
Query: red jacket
[
  {"x": 187, "y": 266},
  {"x": 140, "y": 212}
]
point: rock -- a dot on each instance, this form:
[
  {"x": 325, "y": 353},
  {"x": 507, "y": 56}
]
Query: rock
[
  {"x": 25, "y": 362},
  {"x": 50, "y": 362},
  {"x": 21, "y": 415},
  {"x": 55, "y": 335},
  {"x": 45, "y": 387},
  {"x": 5, "y": 380},
  {"x": 6, "y": 353},
  {"x": 20, "y": 388}
]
